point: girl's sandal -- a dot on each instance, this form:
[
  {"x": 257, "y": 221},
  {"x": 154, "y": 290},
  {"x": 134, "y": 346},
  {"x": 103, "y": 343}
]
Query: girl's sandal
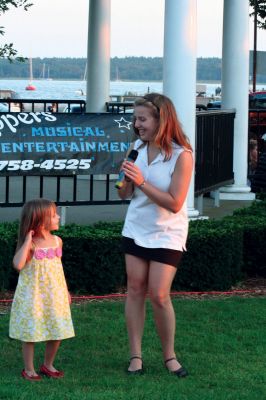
[
  {"x": 51, "y": 374},
  {"x": 33, "y": 378},
  {"x": 180, "y": 372},
  {"x": 137, "y": 371}
]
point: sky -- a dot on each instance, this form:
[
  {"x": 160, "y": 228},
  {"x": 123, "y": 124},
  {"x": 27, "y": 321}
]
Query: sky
[{"x": 58, "y": 28}]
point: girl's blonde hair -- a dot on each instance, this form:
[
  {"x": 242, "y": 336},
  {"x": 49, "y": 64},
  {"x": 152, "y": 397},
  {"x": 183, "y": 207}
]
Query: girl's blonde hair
[
  {"x": 170, "y": 129},
  {"x": 35, "y": 214}
]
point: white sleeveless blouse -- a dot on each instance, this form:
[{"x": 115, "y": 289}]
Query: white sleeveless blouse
[{"x": 148, "y": 224}]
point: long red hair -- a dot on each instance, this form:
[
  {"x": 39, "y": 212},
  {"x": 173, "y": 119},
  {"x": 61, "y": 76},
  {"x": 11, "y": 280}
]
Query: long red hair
[{"x": 170, "y": 129}]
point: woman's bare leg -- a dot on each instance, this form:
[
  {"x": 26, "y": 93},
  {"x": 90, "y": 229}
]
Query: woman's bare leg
[
  {"x": 160, "y": 280},
  {"x": 137, "y": 274}
]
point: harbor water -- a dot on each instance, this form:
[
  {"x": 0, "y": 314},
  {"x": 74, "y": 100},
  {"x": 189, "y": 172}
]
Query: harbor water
[
  {"x": 59, "y": 89},
  {"x": 70, "y": 90}
]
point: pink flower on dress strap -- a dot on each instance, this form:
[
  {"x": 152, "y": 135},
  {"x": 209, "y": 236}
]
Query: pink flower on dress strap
[
  {"x": 50, "y": 253},
  {"x": 39, "y": 254},
  {"x": 58, "y": 252}
]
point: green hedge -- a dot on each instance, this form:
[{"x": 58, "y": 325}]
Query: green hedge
[
  {"x": 92, "y": 259},
  {"x": 8, "y": 237},
  {"x": 214, "y": 259},
  {"x": 220, "y": 253},
  {"x": 253, "y": 221}
]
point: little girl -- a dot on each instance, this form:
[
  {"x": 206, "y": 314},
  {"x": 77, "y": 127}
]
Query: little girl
[{"x": 40, "y": 309}]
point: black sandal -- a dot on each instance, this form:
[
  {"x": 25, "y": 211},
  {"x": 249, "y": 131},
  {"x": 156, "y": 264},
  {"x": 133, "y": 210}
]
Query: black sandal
[
  {"x": 137, "y": 371},
  {"x": 180, "y": 372}
]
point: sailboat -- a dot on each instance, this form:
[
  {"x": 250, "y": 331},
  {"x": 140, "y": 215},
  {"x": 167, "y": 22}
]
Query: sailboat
[
  {"x": 42, "y": 74},
  {"x": 117, "y": 75},
  {"x": 48, "y": 74},
  {"x": 80, "y": 92},
  {"x": 30, "y": 86}
]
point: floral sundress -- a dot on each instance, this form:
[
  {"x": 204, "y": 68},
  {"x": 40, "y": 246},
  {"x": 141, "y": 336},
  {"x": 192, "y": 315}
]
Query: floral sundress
[{"x": 40, "y": 309}]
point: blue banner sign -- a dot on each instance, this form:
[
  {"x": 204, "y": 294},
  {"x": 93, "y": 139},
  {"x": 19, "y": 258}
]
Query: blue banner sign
[{"x": 43, "y": 143}]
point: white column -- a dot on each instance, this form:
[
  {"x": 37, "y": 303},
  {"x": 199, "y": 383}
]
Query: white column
[
  {"x": 179, "y": 68},
  {"x": 235, "y": 88},
  {"x": 98, "y": 57}
]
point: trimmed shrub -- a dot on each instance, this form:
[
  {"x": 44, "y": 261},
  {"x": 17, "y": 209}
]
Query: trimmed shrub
[
  {"x": 8, "y": 238},
  {"x": 92, "y": 260},
  {"x": 254, "y": 239},
  {"x": 214, "y": 258},
  {"x": 220, "y": 253}
]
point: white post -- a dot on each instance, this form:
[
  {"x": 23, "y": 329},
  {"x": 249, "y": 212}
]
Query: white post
[
  {"x": 179, "y": 69},
  {"x": 98, "y": 58},
  {"x": 63, "y": 215},
  {"x": 235, "y": 88}
]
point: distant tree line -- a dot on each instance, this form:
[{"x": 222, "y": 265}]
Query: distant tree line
[{"x": 128, "y": 68}]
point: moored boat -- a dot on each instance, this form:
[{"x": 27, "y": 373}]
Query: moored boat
[{"x": 30, "y": 86}]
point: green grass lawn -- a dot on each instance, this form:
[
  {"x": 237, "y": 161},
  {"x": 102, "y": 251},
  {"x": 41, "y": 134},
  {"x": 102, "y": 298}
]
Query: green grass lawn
[{"x": 222, "y": 343}]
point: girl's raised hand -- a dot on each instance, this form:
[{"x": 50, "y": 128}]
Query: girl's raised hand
[
  {"x": 29, "y": 236},
  {"x": 23, "y": 255}
]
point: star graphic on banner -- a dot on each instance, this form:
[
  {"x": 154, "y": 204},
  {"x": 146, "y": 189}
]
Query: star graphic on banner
[{"x": 123, "y": 123}]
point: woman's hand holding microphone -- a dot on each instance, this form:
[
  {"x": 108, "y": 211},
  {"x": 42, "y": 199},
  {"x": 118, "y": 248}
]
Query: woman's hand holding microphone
[{"x": 133, "y": 173}]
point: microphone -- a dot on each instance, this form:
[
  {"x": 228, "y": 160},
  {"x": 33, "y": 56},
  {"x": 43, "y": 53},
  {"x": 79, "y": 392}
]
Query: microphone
[{"x": 131, "y": 157}]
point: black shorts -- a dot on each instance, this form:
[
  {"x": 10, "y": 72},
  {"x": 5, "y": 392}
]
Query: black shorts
[{"x": 164, "y": 256}]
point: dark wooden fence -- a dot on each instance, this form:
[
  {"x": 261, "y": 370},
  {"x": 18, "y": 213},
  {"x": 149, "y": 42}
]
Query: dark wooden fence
[{"x": 214, "y": 150}]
